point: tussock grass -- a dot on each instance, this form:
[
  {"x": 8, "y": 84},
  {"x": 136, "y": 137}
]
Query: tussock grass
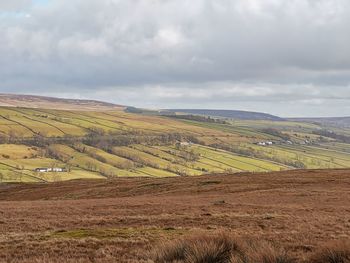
[
  {"x": 219, "y": 248},
  {"x": 223, "y": 248},
  {"x": 336, "y": 252}
]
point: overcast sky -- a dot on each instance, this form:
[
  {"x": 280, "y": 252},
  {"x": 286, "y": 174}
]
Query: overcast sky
[{"x": 285, "y": 57}]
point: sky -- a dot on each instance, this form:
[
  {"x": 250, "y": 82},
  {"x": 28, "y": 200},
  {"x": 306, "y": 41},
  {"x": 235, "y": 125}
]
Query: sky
[{"x": 285, "y": 57}]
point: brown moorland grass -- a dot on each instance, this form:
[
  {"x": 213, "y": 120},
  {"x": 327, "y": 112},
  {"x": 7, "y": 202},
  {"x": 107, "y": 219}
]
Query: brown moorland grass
[
  {"x": 223, "y": 248},
  {"x": 300, "y": 211},
  {"x": 220, "y": 248},
  {"x": 334, "y": 252}
]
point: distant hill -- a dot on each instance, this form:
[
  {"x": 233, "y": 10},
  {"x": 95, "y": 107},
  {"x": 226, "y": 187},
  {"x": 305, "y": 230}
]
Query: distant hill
[
  {"x": 32, "y": 101},
  {"x": 232, "y": 114},
  {"x": 342, "y": 122}
]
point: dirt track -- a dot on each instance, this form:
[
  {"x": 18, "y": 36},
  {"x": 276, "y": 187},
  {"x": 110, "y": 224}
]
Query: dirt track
[{"x": 119, "y": 221}]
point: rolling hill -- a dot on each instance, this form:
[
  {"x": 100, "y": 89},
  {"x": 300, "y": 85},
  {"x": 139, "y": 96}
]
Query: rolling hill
[
  {"x": 35, "y": 143},
  {"x": 31, "y": 101},
  {"x": 327, "y": 121},
  {"x": 231, "y": 114}
]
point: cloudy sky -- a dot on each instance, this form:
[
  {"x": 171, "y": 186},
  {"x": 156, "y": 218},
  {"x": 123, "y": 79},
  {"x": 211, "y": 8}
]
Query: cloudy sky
[{"x": 285, "y": 57}]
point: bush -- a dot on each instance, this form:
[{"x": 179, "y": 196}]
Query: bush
[
  {"x": 262, "y": 252},
  {"x": 219, "y": 248},
  {"x": 338, "y": 252}
]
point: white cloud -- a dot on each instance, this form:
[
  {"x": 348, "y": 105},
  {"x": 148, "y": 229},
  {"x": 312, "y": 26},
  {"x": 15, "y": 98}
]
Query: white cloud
[
  {"x": 201, "y": 50},
  {"x": 168, "y": 37}
]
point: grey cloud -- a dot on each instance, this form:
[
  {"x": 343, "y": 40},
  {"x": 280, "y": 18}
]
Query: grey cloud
[
  {"x": 215, "y": 52},
  {"x": 14, "y": 5}
]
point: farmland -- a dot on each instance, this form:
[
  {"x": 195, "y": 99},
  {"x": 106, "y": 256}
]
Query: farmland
[{"x": 113, "y": 143}]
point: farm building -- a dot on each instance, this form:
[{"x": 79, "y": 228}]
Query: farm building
[
  {"x": 264, "y": 143},
  {"x": 48, "y": 170}
]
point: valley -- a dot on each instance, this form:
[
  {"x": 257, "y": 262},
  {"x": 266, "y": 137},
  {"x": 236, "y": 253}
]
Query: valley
[{"x": 48, "y": 145}]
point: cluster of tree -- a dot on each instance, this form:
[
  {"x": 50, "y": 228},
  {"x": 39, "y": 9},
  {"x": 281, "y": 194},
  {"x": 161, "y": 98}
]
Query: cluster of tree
[
  {"x": 198, "y": 118},
  {"x": 133, "y": 110},
  {"x": 97, "y": 138},
  {"x": 141, "y": 161},
  {"x": 188, "y": 155},
  {"x": 52, "y": 152},
  {"x": 333, "y": 135},
  {"x": 184, "y": 157},
  {"x": 108, "y": 141},
  {"x": 12, "y": 137},
  {"x": 37, "y": 140},
  {"x": 93, "y": 153},
  {"x": 167, "y": 158},
  {"x": 276, "y": 133},
  {"x": 176, "y": 169},
  {"x": 93, "y": 167},
  {"x": 138, "y": 161}
]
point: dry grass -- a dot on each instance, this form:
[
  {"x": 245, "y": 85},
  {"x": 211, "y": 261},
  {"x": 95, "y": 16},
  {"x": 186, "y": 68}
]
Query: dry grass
[
  {"x": 335, "y": 252},
  {"x": 200, "y": 248},
  {"x": 122, "y": 220},
  {"x": 220, "y": 248},
  {"x": 224, "y": 248}
]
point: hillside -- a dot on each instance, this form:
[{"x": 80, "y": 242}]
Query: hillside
[
  {"x": 31, "y": 101},
  {"x": 341, "y": 122},
  {"x": 43, "y": 145},
  {"x": 122, "y": 220},
  {"x": 231, "y": 114},
  {"x": 171, "y": 186}
]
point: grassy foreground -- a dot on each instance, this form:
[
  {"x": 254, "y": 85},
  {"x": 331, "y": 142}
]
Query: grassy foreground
[{"x": 300, "y": 215}]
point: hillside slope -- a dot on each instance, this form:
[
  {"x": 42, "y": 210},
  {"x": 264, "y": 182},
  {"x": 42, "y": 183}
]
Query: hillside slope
[
  {"x": 31, "y": 101},
  {"x": 231, "y": 114},
  {"x": 45, "y": 145},
  {"x": 341, "y": 122},
  {"x": 172, "y": 186}
]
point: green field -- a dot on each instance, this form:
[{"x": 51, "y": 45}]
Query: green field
[{"x": 109, "y": 144}]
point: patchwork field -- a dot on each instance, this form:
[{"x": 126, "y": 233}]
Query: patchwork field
[
  {"x": 125, "y": 219},
  {"x": 113, "y": 143}
]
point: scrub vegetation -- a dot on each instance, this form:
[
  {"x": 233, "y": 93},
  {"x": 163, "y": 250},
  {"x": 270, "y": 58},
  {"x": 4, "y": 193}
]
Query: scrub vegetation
[{"x": 299, "y": 216}]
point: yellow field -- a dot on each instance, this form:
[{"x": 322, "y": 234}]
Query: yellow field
[{"x": 140, "y": 145}]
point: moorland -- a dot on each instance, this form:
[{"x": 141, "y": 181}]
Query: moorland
[
  {"x": 127, "y": 219},
  {"x": 85, "y": 181}
]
